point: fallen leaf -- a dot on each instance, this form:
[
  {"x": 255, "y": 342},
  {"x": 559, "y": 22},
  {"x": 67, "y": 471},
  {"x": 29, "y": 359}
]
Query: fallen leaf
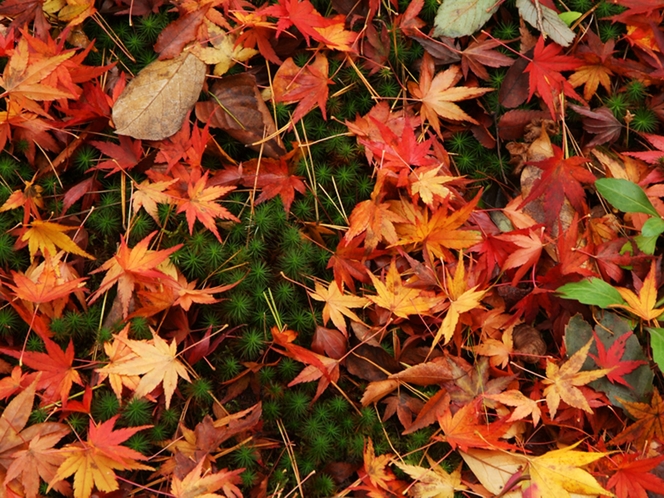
[
  {"x": 433, "y": 482},
  {"x": 196, "y": 486},
  {"x": 45, "y": 236},
  {"x": 562, "y": 381},
  {"x": 337, "y": 305},
  {"x": 155, "y": 361},
  {"x": 154, "y": 104}
]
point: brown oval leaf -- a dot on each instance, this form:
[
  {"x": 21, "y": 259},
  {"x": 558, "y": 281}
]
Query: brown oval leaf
[{"x": 154, "y": 105}]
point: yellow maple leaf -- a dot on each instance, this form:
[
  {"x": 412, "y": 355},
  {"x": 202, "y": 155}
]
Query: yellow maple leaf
[
  {"x": 148, "y": 194},
  {"x": 562, "y": 381},
  {"x": 642, "y": 305},
  {"x": 400, "y": 300},
  {"x": 428, "y": 183},
  {"x": 461, "y": 301},
  {"x": 155, "y": 361},
  {"x": 556, "y": 474},
  {"x": 224, "y": 52},
  {"x": 337, "y": 304},
  {"x": 45, "y": 236},
  {"x": 434, "y": 482},
  {"x": 592, "y": 75}
]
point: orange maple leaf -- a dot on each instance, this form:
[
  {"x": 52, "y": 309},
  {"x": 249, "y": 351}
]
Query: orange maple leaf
[
  {"x": 562, "y": 381},
  {"x": 648, "y": 425},
  {"x": 148, "y": 194},
  {"x": 528, "y": 254},
  {"x": 94, "y": 461},
  {"x": 133, "y": 266},
  {"x": 466, "y": 429},
  {"x": 642, "y": 305},
  {"x": 200, "y": 204},
  {"x": 45, "y": 236},
  {"x": 438, "y": 94},
  {"x": 194, "y": 485},
  {"x": 30, "y": 199},
  {"x": 524, "y": 406},
  {"x": 337, "y": 304},
  {"x": 401, "y": 300}
]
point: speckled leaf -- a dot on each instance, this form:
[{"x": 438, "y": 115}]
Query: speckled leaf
[
  {"x": 458, "y": 18},
  {"x": 154, "y": 105}
]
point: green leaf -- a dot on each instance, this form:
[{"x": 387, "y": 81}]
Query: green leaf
[
  {"x": 593, "y": 291},
  {"x": 653, "y": 227},
  {"x": 646, "y": 244},
  {"x": 569, "y": 17},
  {"x": 458, "y": 18},
  {"x": 657, "y": 345},
  {"x": 625, "y": 195}
]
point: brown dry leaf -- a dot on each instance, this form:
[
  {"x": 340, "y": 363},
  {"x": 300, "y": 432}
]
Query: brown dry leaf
[
  {"x": 155, "y": 103},
  {"x": 155, "y": 361},
  {"x": 237, "y": 108},
  {"x": 562, "y": 381}
]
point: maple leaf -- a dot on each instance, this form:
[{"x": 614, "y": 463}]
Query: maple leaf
[
  {"x": 467, "y": 429},
  {"x": 274, "y": 178},
  {"x": 155, "y": 361},
  {"x": 524, "y": 406},
  {"x": 346, "y": 263},
  {"x": 430, "y": 185},
  {"x": 116, "y": 351},
  {"x": 652, "y": 156},
  {"x": 555, "y": 474},
  {"x": 631, "y": 476},
  {"x": 337, "y": 304},
  {"x": 148, "y": 194},
  {"x": 300, "y": 14},
  {"x": 612, "y": 359},
  {"x": 434, "y": 482},
  {"x": 438, "y": 94},
  {"x": 642, "y": 305},
  {"x": 562, "y": 381},
  {"x": 30, "y": 199},
  {"x": 561, "y": 178},
  {"x": 375, "y": 467},
  {"x": 58, "y": 375},
  {"x": 306, "y": 85},
  {"x": 597, "y": 71},
  {"x": 401, "y": 300},
  {"x": 131, "y": 266},
  {"x": 93, "y": 461},
  {"x": 24, "y": 72},
  {"x": 497, "y": 351},
  {"x": 649, "y": 422},
  {"x": 529, "y": 252},
  {"x": 439, "y": 232},
  {"x": 335, "y": 37},
  {"x": 461, "y": 301},
  {"x": 637, "y": 7},
  {"x": 187, "y": 294},
  {"x": 376, "y": 219},
  {"x": 43, "y": 284},
  {"x": 123, "y": 157},
  {"x": 479, "y": 53},
  {"x": 45, "y": 236},
  {"x": 199, "y": 204},
  {"x": 38, "y": 460},
  {"x": 545, "y": 77},
  {"x": 196, "y": 486}
]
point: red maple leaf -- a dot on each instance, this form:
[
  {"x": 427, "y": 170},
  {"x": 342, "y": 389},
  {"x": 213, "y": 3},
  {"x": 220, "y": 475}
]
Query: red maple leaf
[
  {"x": 274, "y": 178},
  {"x": 562, "y": 178},
  {"x": 123, "y": 157},
  {"x": 305, "y": 85},
  {"x": 632, "y": 477},
  {"x": 347, "y": 263},
  {"x": 302, "y": 15},
  {"x": 545, "y": 77},
  {"x": 635, "y": 8},
  {"x": 612, "y": 359},
  {"x": 56, "y": 368}
]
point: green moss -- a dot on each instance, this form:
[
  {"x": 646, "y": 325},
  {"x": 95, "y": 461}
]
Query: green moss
[
  {"x": 105, "y": 405},
  {"x": 137, "y": 412},
  {"x": 251, "y": 344},
  {"x": 140, "y": 442},
  {"x": 644, "y": 120},
  {"x": 296, "y": 404}
]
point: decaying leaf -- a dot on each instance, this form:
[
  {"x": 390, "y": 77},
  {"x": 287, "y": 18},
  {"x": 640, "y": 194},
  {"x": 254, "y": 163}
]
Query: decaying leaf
[{"x": 154, "y": 105}]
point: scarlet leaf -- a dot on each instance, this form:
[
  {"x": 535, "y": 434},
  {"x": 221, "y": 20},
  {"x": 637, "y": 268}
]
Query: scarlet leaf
[
  {"x": 274, "y": 178},
  {"x": 306, "y": 85},
  {"x": 545, "y": 78},
  {"x": 612, "y": 359},
  {"x": 465, "y": 429},
  {"x": 562, "y": 178},
  {"x": 94, "y": 461}
]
